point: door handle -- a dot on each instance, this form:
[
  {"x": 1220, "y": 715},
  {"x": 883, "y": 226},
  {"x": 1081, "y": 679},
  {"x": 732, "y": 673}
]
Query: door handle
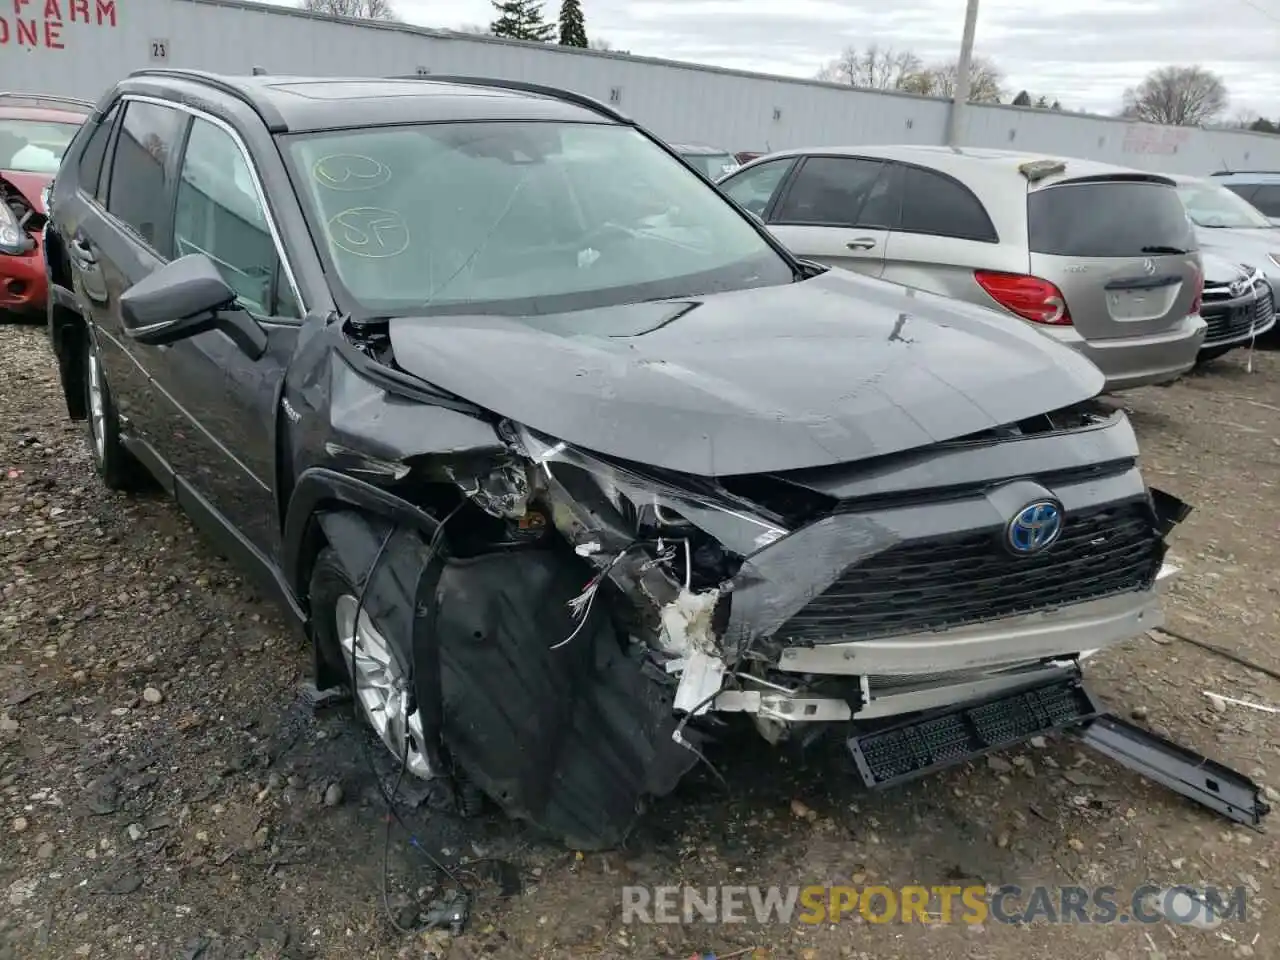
[
  {"x": 81, "y": 253},
  {"x": 861, "y": 243}
]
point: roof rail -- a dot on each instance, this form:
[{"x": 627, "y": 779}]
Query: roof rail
[
  {"x": 578, "y": 99},
  {"x": 270, "y": 115},
  {"x": 1232, "y": 173},
  {"x": 44, "y": 99}
]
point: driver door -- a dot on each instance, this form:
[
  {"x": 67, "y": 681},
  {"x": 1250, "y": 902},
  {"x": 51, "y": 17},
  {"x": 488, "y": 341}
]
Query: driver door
[{"x": 220, "y": 404}]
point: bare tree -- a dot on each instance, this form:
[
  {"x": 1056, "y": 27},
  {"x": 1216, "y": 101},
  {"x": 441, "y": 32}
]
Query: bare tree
[
  {"x": 1179, "y": 96},
  {"x": 874, "y": 68},
  {"x": 600, "y": 43},
  {"x": 355, "y": 9},
  {"x": 985, "y": 81}
]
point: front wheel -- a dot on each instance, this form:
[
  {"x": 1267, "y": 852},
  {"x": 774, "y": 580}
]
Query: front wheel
[{"x": 380, "y": 668}]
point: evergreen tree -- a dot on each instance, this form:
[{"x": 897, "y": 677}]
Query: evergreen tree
[
  {"x": 521, "y": 20},
  {"x": 573, "y": 26},
  {"x": 1023, "y": 99}
]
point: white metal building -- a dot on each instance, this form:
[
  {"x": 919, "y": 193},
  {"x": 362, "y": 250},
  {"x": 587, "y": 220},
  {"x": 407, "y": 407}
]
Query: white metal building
[{"x": 79, "y": 47}]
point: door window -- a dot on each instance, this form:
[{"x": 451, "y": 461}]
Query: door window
[
  {"x": 219, "y": 214},
  {"x": 830, "y": 191},
  {"x": 754, "y": 188},
  {"x": 93, "y": 157},
  {"x": 939, "y": 206},
  {"x": 139, "y": 173},
  {"x": 1267, "y": 199}
]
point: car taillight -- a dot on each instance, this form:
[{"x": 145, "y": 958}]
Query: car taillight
[
  {"x": 1199, "y": 297},
  {"x": 1029, "y": 297}
]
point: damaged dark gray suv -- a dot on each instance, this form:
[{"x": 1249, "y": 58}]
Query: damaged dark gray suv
[{"x": 555, "y": 450}]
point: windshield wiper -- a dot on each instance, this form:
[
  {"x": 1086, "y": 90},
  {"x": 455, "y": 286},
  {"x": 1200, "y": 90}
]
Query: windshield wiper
[{"x": 1171, "y": 251}]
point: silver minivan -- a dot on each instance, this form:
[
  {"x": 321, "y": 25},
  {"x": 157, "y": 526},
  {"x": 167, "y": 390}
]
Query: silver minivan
[{"x": 1101, "y": 258}]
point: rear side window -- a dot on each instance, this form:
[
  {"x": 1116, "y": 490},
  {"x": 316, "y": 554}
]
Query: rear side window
[
  {"x": 1109, "y": 218},
  {"x": 95, "y": 152},
  {"x": 1267, "y": 199},
  {"x": 140, "y": 170},
  {"x": 942, "y": 207},
  {"x": 829, "y": 191}
]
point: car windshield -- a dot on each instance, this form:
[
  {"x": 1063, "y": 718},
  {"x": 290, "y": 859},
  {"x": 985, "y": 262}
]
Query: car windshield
[
  {"x": 34, "y": 146},
  {"x": 520, "y": 218},
  {"x": 1209, "y": 205}
]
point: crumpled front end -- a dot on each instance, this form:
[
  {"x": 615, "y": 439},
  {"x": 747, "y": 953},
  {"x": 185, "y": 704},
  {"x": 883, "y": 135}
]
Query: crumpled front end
[
  {"x": 868, "y": 591},
  {"x": 23, "y": 285},
  {"x": 585, "y": 626}
]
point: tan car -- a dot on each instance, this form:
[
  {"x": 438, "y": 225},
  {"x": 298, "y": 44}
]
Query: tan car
[{"x": 1100, "y": 258}]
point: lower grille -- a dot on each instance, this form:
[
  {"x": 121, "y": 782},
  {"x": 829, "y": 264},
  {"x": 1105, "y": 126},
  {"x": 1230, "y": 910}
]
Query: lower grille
[
  {"x": 1266, "y": 310},
  {"x": 943, "y": 738},
  {"x": 1232, "y": 323},
  {"x": 948, "y": 582}
]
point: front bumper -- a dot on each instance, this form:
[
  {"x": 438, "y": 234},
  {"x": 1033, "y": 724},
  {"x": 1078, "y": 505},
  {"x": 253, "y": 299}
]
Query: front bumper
[
  {"x": 24, "y": 286},
  {"x": 1129, "y": 362},
  {"x": 921, "y": 672}
]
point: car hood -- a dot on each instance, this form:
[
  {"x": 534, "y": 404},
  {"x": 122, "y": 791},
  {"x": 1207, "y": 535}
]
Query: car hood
[
  {"x": 30, "y": 185},
  {"x": 834, "y": 369},
  {"x": 1248, "y": 246},
  {"x": 1221, "y": 269}
]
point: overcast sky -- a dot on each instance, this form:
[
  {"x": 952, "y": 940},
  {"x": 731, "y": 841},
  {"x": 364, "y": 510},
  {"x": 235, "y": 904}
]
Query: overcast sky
[{"x": 1083, "y": 52}]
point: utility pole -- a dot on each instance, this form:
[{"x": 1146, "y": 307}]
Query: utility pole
[{"x": 962, "y": 74}]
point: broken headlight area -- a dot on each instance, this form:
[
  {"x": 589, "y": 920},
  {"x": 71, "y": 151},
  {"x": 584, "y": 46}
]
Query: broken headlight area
[
  {"x": 691, "y": 573},
  {"x": 20, "y": 222}
]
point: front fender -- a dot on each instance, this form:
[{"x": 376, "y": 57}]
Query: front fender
[{"x": 320, "y": 489}]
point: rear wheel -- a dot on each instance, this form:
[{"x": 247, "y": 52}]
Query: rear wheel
[{"x": 113, "y": 463}]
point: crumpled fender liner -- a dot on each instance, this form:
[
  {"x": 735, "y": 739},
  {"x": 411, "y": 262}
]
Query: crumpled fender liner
[
  {"x": 570, "y": 740},
  {"x": 406, "y": 575},
  {"x": 1169, "y": 510}
]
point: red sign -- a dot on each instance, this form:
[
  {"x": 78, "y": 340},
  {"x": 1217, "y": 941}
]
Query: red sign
[
  {"x": 1149, "y": 138},
  {"x": 39, "y": 23}
]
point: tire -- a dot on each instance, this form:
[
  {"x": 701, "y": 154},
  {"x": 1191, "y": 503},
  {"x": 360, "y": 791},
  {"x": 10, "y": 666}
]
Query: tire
[
  {"x": 111, "y": 461},
  {"x": 1212, "y": 353},
  {"x": 382, "y": 663}
]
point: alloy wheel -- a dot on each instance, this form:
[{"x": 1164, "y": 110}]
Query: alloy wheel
[
  {"x": 97, "y": 406},
  {"x": 381, "y": 686}
]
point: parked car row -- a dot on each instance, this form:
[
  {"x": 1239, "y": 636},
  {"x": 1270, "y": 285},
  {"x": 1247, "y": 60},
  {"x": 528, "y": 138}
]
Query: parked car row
[
  {"x": 1104, "y": 259},
  {"x": 565, "y": 461}
]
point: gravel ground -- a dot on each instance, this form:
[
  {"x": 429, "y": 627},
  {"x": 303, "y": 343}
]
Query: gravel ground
[{"x": 165, "y": 791}]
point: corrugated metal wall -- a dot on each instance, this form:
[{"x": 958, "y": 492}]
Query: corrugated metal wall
[{"x": 80, "y": 47}]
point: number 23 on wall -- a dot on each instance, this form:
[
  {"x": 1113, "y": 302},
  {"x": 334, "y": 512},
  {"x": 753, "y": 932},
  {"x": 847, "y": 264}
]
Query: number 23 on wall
[{"x": 160, "y": 50}]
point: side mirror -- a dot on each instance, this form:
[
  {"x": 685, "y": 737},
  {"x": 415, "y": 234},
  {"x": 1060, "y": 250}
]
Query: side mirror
[{"x": 185, "y": 298}]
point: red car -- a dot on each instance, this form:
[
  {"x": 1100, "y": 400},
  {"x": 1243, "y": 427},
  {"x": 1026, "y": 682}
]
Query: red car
[{"x": 35, "y": 130}]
